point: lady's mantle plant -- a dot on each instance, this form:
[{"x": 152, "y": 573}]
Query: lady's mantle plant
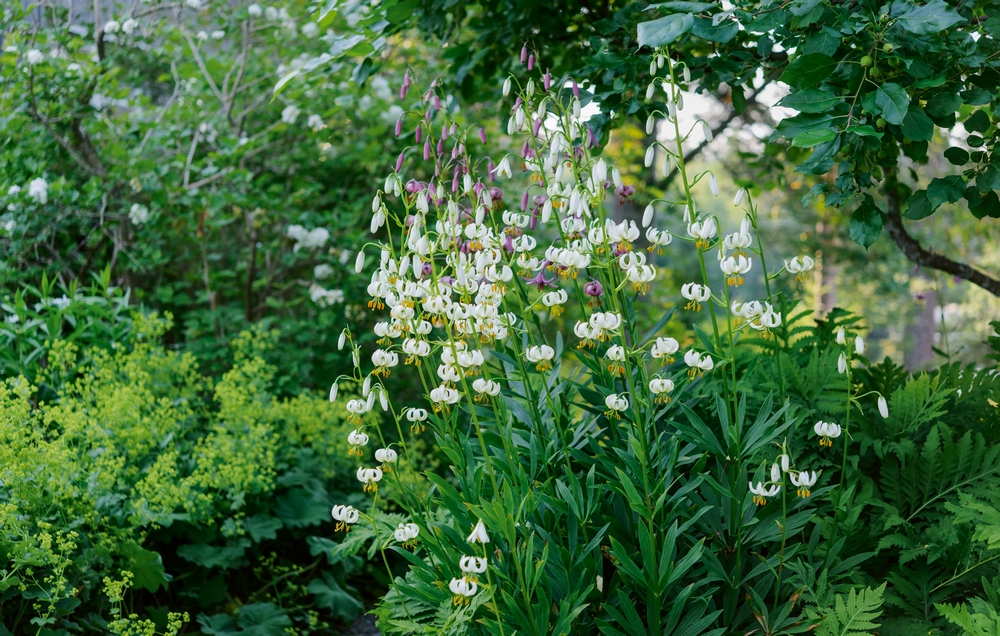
[{"x": 605, "y": 477}]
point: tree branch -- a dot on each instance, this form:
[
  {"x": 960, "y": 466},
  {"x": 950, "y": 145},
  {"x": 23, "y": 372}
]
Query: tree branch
[{"x": 920, "y": 255}]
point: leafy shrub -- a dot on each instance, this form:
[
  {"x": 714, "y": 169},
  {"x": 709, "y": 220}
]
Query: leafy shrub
[{"x": 143, "y": 486}]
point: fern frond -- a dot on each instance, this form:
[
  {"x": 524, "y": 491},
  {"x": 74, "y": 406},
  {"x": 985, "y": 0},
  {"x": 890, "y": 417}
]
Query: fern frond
[{"x": 855, "y": 615}]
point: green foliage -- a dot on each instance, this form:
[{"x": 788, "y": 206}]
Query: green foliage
[
  {"x": 855, "y": 615},
  {"x": 175, "y": 490}
]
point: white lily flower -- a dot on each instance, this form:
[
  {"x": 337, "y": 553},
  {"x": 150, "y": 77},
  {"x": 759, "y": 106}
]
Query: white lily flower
[
  {"x": 827, "y": 432},
  {"x": 804, "y": 481},
  {"x": 479, "y": 534}
]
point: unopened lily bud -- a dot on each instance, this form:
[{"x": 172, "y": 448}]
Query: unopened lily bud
[
  {"x": 366, "y": 386},
  {"x": 333, "y": 392},
  {"x": 650, "y": 90},
  {"x": 841, "y": 336},
  {"x": 399, "y": 161},
  {"x": 652, "y": 67},
  {"x": 883, "y": 407},
  {"x": 859, "y": 345},
  {"x": 842, "y": 364},
  {"x": 531, "y": 62},
  {"x": 650, "y": 155},
  {"x": 383, "y": 400},
  {"x": 707, "y": 130},
  {"x": 399, "y": 126},
  {"x": 359, "y": 264},
  {"x": 506, "y": 87},
  {"x": 713, "y": 184},
  {"x": 686, "y": 74},
  {"x": 738, "y": 199},
  {"x": 524, "y": 53},
  {"x": 647, "y": 215},
  {"x": 659, "y": 61},
  {"x": 650, "y": 123},
  {"x": 341, "y": 340}
]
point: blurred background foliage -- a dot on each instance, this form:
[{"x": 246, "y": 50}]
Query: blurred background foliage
[{"x": 184, "y": 189}]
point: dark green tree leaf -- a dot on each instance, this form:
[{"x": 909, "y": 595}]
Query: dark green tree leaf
[
  {"x": 808, "y": 70},
  {"x": 917, "y": 126},
  {"x": 977, "y": 122},
  {"x": 811, "y": 100},
  {"x": 919, "y": 206},
  {"x": 957, "y": 156},
  {"x": 665, "y": 30},
  {"x": 892, "y": 102},
  {"x": 866, "y": 223},
  {"x": 945, "y": 190},
  {"x": 933, "y": 17},
  {"x": 330, "y": 596},
  {"x": 813, "y": 138}
]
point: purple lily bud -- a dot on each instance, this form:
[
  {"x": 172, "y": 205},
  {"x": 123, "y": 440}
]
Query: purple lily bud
[
  {"x": 454, "y": 128},
  {"x": 496, "y": 194},
  {"x": 591, "y": 140},
  {"x": 547, "y": 80},
  {"x": 576, "y": 90},
  {"x": 539, "y": 199},
  {"x": 517, "y": 102},
  {"x": 402, "y": 91},
  {"x": 399, "y": 126},
  {"x": 478, "y": 188},
  {"x": 537, "y": 126},
  {"x": 440, "y": 146},
  {"x": 427, "y": 150},
  {"x": 482, "y": 134},
  {"x": 454, "y": 152},
  {"x": 399, "y": 161},
  {"x": 491, "y": 170},
  {"x": 524, "y": 53},
  {"x": 593, "y": 289},
  {"x": 418, "y": 135},
  {"x": 524, "y": 202},
  {"x": 531, "y": 62},
  {"x": 410, "y": 220},
  {"x": 427, "y": 116},
  {"x": 454, "y": 182},
  {"x": 437, "y": 102},
  {"x": 524, "y": 149},
  {"x": 444, "y": 131}
]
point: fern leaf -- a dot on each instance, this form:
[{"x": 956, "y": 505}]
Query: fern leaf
[{"x": 854, "y": 615}]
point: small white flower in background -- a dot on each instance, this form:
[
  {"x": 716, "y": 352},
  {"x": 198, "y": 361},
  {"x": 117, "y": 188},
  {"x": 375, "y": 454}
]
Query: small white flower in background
[
  {"x": 804, "y": 481},
  {"x": 194, "y": 4},
  {"x": 443, "y": 396},
  {"x": 883, "y": 407},
  {"x": 38, "y": 189},
  {"x": 554, "y": 300},
  {"x": 9, "y": 226},
  {"x": 385, "y": 456},
  {"x": 62, "y": 303},
  {"x": 370, "y": 478},
  {"x": 616, "y": 404},
  {"x": 695, "y": 294},
  {"x": 463, "y": 590},
  {"x": 304, "y": 238},
  {"x": 254, "y": 10},
  {"x": 355, "y": 409},
  {"x": 344, "y": 516},
  {"x": 698, "y": 363},
  {"x": 485, "y": 389},
  {"x": 859, "y": 345},
  {"x": 322, "y": 271},
  {"x": 616, "y": 354},
  {"x": 406, "y": 534},
  {"x": 664, "y": 349},
  {"x": 309, "y": 29},
  {"x": 129, "y": 26},
  {"x": 315, "y": 122},
  {"x": 479, "y": 534},
  {"x": 218, "y": 34},
  {"x": 800, "y": 266},
  {"x": 34, "y": 56},
  {"x": 138, "y": 214},
  {"x": 14, "y": 190},
  {"x": 841, "y": 335},
  {"x": 660, "y": 387},
  {"x": 827, "y": 431},
  {"x": 271, "y": 13},
  {"x": 289, "y": 114},
  {"x": 112, "y": 26},
  {"x": 325, "y": 297},
  {"x": 762, "y": 492}
]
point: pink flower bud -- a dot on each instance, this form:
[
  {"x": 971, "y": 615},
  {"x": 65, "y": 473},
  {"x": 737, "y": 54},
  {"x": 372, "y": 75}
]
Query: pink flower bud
[
  {"x": 547, "y": 80},
  {"x": 440, "y": 146},
  {"x": 399, "y": 161},
  {"x": 437, "y": 102},
  {"x": 482, "y": 134},
  {"x": 531, "y": 62},
  {"x": 524, "y": 202},
  {"x": 418, "y": 135},
  {"x": 427, "y": 150},
  {"x": 402, "y": 91},
  {"x": 537, "y": 126},
  {"x": 399, "y": 126},
  {"x": 491, "y": 169},
  {"x": 576, "y": 90},
  {"x": 444, "y": 131},
  {"x": 524, "y": 53}
]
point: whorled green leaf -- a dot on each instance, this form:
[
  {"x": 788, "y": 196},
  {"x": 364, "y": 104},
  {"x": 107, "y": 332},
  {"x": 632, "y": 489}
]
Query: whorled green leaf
[
  {"x": 808, "y": 70},
  {"x": 866, "y": 223}
]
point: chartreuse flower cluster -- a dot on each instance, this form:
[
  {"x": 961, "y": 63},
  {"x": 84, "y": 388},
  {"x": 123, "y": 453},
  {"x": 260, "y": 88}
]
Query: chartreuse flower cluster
[{"x": 465, "y": 255}]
